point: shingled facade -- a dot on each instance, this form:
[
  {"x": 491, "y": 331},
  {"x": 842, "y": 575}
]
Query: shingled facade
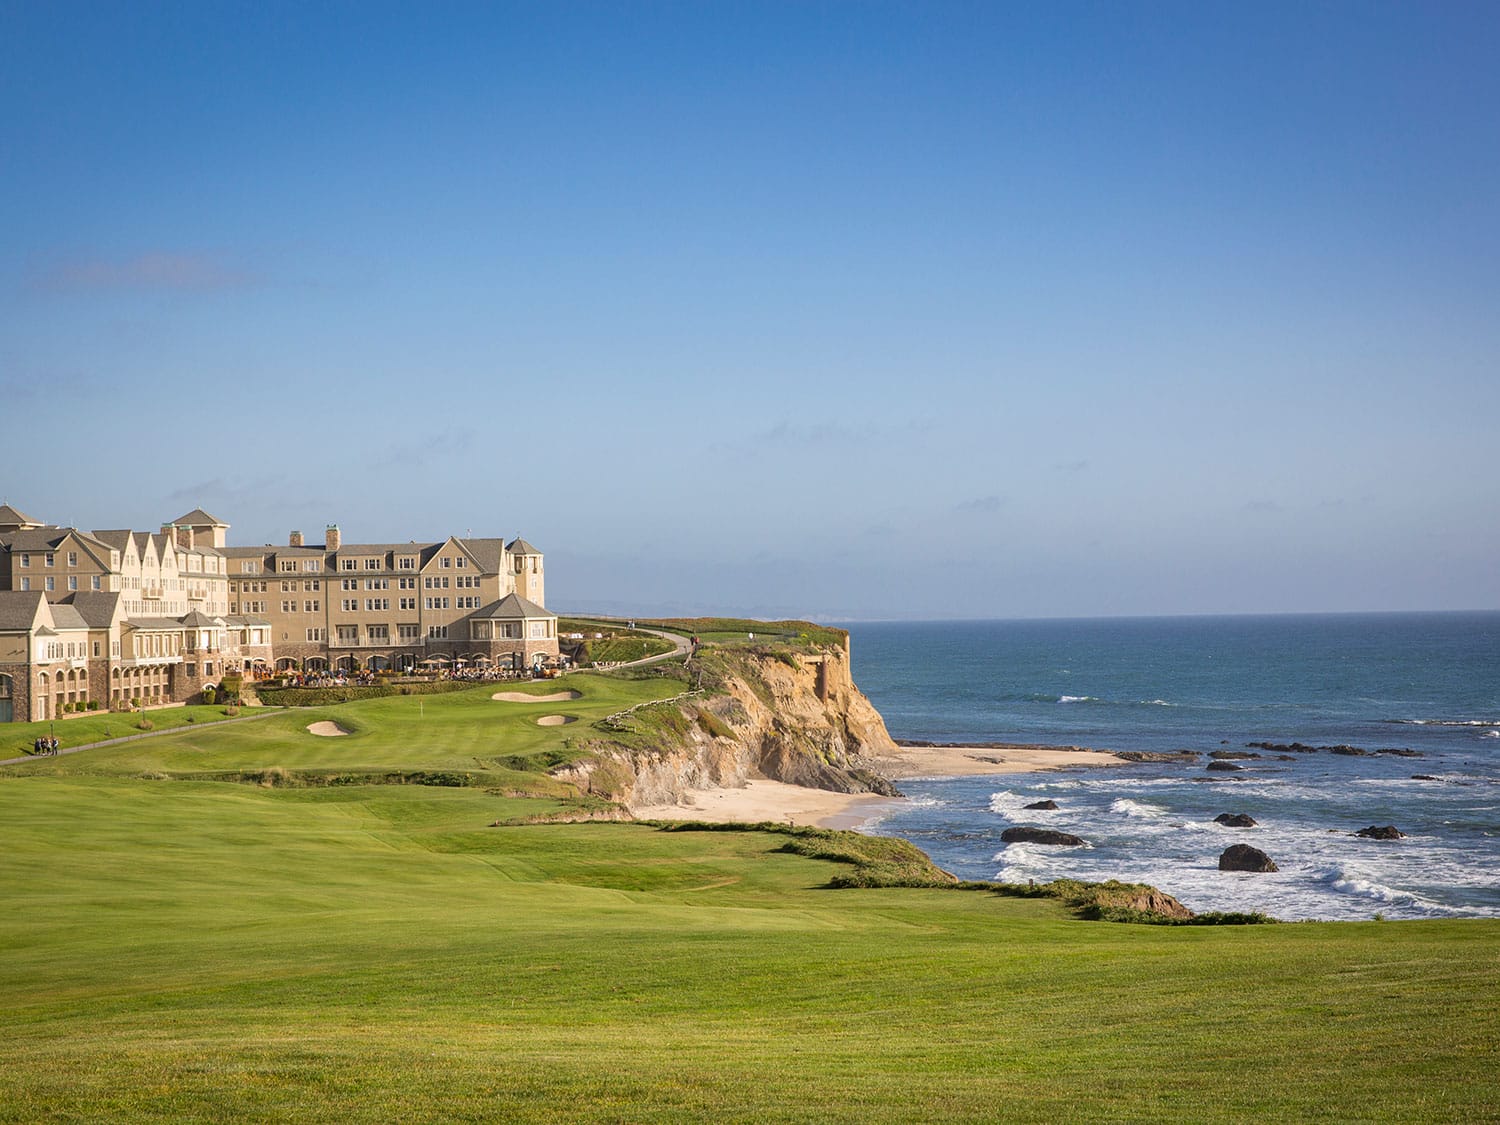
[{"x": 121, "y": 618}]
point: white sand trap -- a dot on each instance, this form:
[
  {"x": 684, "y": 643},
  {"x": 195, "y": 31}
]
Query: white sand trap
[
  {"x": 522, "y": 697},
  {"x": 556, "y": 720},
  {"x": 326, "y": 729}
]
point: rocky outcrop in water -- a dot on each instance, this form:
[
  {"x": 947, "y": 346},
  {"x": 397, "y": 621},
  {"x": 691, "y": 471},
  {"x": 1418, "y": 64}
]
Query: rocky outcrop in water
[
  {"x": 1387, "y": 832},
  {"x": 1341, "y": 748},
  {"x": 1048, "y": 805},
  {"x": 1242, "y": 857},
  {"x": 1224, "y": 767},
  {"x": 1234, "y": 820},
  {"x": 1023, "y": 835},
  {"x": 1232, "y": 755},
  {"x": 1157, "y": 755}
]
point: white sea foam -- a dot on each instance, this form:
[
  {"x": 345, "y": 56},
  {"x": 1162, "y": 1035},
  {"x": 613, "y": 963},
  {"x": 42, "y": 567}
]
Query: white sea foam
[
  {"x": 1127, "y": 807},
  {"x": 1076, "y": 699}
]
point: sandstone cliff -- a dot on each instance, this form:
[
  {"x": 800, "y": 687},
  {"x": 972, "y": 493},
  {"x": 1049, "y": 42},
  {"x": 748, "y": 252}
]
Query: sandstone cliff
[{"x": 792, "y": 716}]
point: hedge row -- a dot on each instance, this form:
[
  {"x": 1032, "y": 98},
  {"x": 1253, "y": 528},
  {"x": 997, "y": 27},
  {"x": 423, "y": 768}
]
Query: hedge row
[{"x": 321, "y": 696}]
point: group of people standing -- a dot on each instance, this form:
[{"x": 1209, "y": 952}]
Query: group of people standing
[{"x": 47, "y": 747}]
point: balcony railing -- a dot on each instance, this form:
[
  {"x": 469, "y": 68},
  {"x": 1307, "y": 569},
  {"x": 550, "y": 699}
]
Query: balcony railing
[
  {"x": 152, "y": 592},
  {"x": 197, "y": 593},
  {"x": 376, "y": 642}
]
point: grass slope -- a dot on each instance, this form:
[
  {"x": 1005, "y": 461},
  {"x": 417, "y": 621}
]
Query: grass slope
[{"x": 195, "y": 950}]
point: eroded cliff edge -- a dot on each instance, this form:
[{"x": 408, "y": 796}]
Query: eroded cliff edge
[{"x": 787, "y": 712}]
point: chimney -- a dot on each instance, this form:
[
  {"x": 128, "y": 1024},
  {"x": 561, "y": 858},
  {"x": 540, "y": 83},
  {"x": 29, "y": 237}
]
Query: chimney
[
  {"x": 184, "y": 537},
  {"x": 333, "y": 539},
  {"x": 295, "y": 539}
]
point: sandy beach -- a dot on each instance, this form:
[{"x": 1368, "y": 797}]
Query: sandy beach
[
  {"x": 969, "y": 761},
  {"x": 762, "y": 799}
]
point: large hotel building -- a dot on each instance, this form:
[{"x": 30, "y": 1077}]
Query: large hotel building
[{"x": 120, "y": 618}]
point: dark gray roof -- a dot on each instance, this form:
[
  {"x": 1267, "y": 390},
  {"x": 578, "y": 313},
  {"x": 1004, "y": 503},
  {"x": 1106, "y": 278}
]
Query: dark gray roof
[
  {"x": 519, "y": 546},
  {"x": 239, "y": 620},
  {"x": 34, "y": 538},
  {"x": 513, "y": 607},
  {"x": 115, "y": 539},
  {"x": 199, "y": 518},
  {"x": 196, "y": 619},
  {"x": 98, "y": 609},
  {"x": 18, "y": 609},
  {"x": 9, "y": 515},
  {"x": 488, "y": 553},
  {"x": 66, "y": 617},
  {"x": 153, "y": 624}
]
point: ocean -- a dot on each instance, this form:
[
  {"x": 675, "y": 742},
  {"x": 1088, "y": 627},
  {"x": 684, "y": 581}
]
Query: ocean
[{"x": 1424, "y": 683}]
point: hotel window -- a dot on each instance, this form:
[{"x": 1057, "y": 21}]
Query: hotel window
[
  {"x": 288, "y": 566},
  {"x": 462, "y": 561},
  {"x": 372, "y": 604},
  {"x": 379, "y": 634},
  {"x": 25, "y": 583},
  {"x": 288, "y": 587},
  {"x": 48, "y": 558},
  {"x": 95, "y": 583},
  {"x": 348, "y": 634},
  {"x": 312, "y": 566},
  {"x": 407, "y": 603},
  {"x": 234, "y": 607},
  {"x": 72, "y": 581},
  {"x": 288, "y": 607},
  {"x": 249, "y": 568},
  {"x": 437, "y": 630},
  {"x": 72, "y": 558},
  {"x": 446, "y": 563},
  {"x": 97, "y": 647},
  {"x": 48, "y": 581},
  {"x": 372, "y": 564},
  {"x": 311, "y": 606},
  {"x": 25, "y": 560},
  {"x": 346, "y": 564},
  {"x": 409, "y": 632},
  {"x": 350, "y": 605},
  {"x": 406, "y": 564},
  {"x": 314, "y": 585},
  {"x": 349, "y": 583},
  {"x": 315, "y": 634}
]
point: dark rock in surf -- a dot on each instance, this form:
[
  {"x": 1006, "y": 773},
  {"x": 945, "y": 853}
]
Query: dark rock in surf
[
  {"x": 1227, "y": 755},
  {"x": 1157, "y": 755},
  {"x": 1242, "y": 857},
  {"x": 1402, "y": 752},
  {"x": 1040, "y": 836},
  {"x": 1424, "y": 777},
  {"x": 1234, "y": 820},
  {"x": 1049, "y": 805},
  {"x": 1387, "y": 832},
  {"x": 1224, "y": 767}
]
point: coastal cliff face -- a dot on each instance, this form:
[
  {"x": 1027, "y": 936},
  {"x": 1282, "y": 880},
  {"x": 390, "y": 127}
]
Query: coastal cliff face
[{"x": 790, "y": 716}]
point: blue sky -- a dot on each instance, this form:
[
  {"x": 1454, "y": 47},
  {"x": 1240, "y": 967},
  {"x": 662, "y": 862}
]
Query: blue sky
[{"x": 847, "y": 310}]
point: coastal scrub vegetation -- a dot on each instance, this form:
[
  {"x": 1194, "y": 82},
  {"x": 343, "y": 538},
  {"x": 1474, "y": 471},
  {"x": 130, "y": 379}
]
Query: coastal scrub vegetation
[{"x": 246, "y": 921}]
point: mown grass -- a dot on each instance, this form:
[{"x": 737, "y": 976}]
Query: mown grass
[
  {"x": 803, "y": 635},
  {"x": 16, "y": 739},
  {"x": 208, "y": 950}
]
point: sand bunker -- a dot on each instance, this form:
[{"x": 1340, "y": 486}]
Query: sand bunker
[
  {"x": 326, "y": 729},
  {"x": 556, "y": 720},
  {"x": 522, "y": 697}
]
